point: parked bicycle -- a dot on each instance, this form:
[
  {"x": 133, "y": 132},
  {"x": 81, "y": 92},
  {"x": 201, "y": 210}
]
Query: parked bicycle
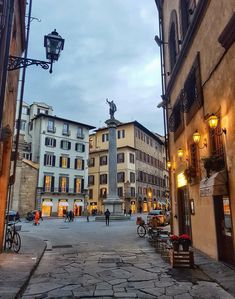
[{"x": 13, "y": 239}]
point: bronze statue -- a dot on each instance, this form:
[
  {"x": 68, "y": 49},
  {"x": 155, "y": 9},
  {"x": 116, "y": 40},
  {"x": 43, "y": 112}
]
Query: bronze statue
[{"x": 112, "y": 108}]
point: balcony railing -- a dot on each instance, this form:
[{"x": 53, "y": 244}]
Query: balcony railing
[
  {"x": 60, "y": 190},
  {"x": 51, "y": 129},
  {"x": 80, "y": 135},
  {"x": 66, "y": 132}
]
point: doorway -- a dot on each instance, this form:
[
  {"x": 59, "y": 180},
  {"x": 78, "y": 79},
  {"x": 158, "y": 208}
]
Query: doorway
[
  {"x": 224, "y": 229},
  {"x": 184, "y": 212}
]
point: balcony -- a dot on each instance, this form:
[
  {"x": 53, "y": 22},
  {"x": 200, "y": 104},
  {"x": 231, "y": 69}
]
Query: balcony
[
  {"x": 66, "y": 132},
  {"x": 51, "y": 129},
  {"x": 51, "y": 190},
  {"x": 80, "y": 135}
]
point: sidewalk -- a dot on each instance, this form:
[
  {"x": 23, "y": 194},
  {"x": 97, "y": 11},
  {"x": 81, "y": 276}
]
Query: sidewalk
[
  {"x": 217, "y": 271},
  {"x": 16, "y": 269}
]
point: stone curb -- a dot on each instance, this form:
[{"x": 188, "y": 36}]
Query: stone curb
[{"x": 24, "y": 286}]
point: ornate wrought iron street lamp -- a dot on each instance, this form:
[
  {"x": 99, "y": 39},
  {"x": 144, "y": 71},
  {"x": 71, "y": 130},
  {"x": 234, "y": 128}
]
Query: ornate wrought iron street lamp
[{"x": 53, "y": 43}]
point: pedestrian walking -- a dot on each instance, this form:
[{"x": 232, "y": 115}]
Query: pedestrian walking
[
  {"x": 87, "y": 216},
  {"x": 36, "y": 218},
  {"x": 17, "y": 217},
  {"x": 130, "y": 212},
  {"x": 40, "y": 215},
  {"x": 107, "y": 215}
]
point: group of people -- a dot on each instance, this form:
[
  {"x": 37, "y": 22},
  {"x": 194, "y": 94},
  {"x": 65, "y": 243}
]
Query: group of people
[
  {"x": 129, "y": 213},
  {"x": 68, "y": 215}
]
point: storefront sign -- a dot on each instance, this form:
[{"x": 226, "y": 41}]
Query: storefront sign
[{"x": 181, "y": 180}]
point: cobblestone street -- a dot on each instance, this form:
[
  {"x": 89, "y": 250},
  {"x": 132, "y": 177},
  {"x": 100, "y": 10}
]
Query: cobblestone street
[{"x": 86, "y": 260}]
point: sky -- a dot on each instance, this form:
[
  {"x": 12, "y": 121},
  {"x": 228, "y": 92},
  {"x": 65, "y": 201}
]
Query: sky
[{"x": 109, "y": 52}]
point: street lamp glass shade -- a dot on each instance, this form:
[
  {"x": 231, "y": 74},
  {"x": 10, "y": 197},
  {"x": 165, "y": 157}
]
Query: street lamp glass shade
[
  {"x": 213, "y": 121},
  {"x": 54, "y": 44},
  {"x": 168, "y": 164},
  {"x": 196, "y": 137},
  {"x": 180, "y": 153}
]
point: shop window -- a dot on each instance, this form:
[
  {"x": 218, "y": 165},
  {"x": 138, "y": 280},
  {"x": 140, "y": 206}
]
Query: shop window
[{"x": 103, "y": 160}]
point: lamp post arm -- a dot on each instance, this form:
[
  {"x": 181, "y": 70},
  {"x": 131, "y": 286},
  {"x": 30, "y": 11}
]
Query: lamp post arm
[{"x": 21, "y": 62}]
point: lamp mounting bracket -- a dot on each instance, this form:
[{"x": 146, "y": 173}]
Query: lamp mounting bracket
[{"x": 15, "y": 63}]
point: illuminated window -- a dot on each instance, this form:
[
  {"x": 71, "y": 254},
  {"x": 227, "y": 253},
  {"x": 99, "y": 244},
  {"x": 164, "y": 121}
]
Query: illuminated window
[
  {"x": 79, "y": 164},
  {"x": 63, "y": 184},
  {"x": 64, "y": 162},
  {"x": 47, "y": 182},
  {"x": 78, "y": 185}
]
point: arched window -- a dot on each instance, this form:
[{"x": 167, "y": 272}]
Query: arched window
[
  {"x": 184, "y": 10},
  {"x": 173, "y": 39}
]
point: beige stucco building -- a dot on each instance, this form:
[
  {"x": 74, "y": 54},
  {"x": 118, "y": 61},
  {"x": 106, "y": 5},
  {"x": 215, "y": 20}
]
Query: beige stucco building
[
  {"x": 196, "y": 40},
  {"x": 141, "y": 172}
]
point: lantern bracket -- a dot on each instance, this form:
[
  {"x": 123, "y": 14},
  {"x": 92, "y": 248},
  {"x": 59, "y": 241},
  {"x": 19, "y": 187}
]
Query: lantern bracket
[{"x": 15, "y": 63}]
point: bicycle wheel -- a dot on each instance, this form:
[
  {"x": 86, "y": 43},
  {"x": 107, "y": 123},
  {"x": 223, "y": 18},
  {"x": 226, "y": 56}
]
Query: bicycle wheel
[
  {"x": 141, "y": 231},
  {"x": 16, "y": 244},
  {"x": 8, "y": 239}
]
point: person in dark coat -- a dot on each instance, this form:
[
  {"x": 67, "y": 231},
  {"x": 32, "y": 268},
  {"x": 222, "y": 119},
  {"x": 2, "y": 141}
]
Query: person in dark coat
[
  {"x": 107, "y": 215},
  {"x": 130, "y": 212}
]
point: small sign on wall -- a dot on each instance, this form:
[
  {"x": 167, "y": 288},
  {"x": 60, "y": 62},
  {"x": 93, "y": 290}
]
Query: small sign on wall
[{"x": 192, "y": 206}]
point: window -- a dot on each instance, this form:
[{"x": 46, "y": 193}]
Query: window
[
  {"x": 91, "y": 180},
  {"x": 78, "y": 185},
  {"x": 25, "y": 110},
  {"x": 42, "y": 111},
  {"x": 103, "y": 192},
  {"x": 79, "y": 147},
  {"x": 51, "y": 126},
  {"x": 120, "y": 158},
  {"x": 132, "y": 158},
  {"x": 80, "y": 132},
  {"x": 173, "y": 40},
  {"x": 50, "y": 142},
  {"x": 184, "y": 10},
  {"x": 120, "y": 191},
  {"x": 103, "y": 160},
  {"x": 121, "y": 177},
  {"x": 132, "y": 192},
  {"x": 121, "y": 134},
  {"x": 65, "y": 130},
  {"x": 176, "y": 121},
  {"x": 48, "y": 184},
  {"x": 90, "y": 193},
  {"x": 79, "y": 164},
  {"x": 31, "y": 126},
  {"x": 103, "y": 179},
  {"x": 91, "y": 162},
  {"x": 105, "y": 137},
  {"x": 22, "y": 125},
  {"x": 65, "y": 162},
  {"x": 65, "y": 144},
  {"x": 49, "y": 159},
  {"x": 63, "y": 184},
  {"x": 91, "y": 143},
  {"x": 132, "y": 177}
]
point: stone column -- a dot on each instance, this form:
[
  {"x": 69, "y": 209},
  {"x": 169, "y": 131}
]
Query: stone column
[{"x": 113, "y": 202}]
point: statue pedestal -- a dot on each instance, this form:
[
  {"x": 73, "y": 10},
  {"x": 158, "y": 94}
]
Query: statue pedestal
[{"x": 114, "y": 205}]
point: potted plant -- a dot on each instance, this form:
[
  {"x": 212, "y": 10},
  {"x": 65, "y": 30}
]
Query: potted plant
[
  {"x": 213, "y": 163},
  {"x": 190, "y": 173},
  {"x": 175, "y": 242},
  {"x": 185, "y": 241}
]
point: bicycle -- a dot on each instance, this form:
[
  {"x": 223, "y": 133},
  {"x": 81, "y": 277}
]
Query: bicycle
[{"x": 13, "y": 239}]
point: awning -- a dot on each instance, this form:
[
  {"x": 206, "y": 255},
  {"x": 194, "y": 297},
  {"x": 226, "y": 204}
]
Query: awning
[
  {"x": 47, "y": 203},
  {"x": 214, "y": 185},
  {"x": 79, "y": 204},
  {"x": 63, "y": 204}
]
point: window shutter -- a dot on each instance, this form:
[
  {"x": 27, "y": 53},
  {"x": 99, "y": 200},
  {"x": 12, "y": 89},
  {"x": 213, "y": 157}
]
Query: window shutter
[
  {"x": 68, "y": 163},
  {"x": 76, "y": 146},
  {"x": 60, "y": 161},
  {"x": 61, "y": 144},
  {"x": 74, "y": 185},
  {"x": 60, "y": 184},
  {"x": 83, "y": 148},
  {"x": 75, "y": 164},
  {"x": 67, "y": 184},
  {"x": 69, "y": 144},
  {"x": 82, "y": 186},
  {"x": 46, "y": 141},
  {"x": 82, "y": 164},
  {"x": 54, "y": 142},
  {"x": 53, "y": 161},
  {"x": 45, "y": 159},
  {"x": 52, "y": 183},
  {"x": 44, "y": 183}
]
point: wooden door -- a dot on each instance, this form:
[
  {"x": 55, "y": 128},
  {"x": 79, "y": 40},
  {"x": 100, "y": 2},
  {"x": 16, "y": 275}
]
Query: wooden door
[{"x": 184, "y": 212}]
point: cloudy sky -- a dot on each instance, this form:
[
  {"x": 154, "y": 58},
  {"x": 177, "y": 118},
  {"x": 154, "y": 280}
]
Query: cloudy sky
[{"x": 109, "y": 53}]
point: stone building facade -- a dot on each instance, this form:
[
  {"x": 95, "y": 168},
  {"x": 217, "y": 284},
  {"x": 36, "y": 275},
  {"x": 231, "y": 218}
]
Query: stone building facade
[
  {"x": 141, "y": 173},
  {"x": 196, "y": 39},
  {"x": 24, "y": 191},
  {"x": 12, "y": 38}
]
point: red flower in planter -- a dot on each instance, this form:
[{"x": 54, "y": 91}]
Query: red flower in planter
[{"x": 184, "y": 237}]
